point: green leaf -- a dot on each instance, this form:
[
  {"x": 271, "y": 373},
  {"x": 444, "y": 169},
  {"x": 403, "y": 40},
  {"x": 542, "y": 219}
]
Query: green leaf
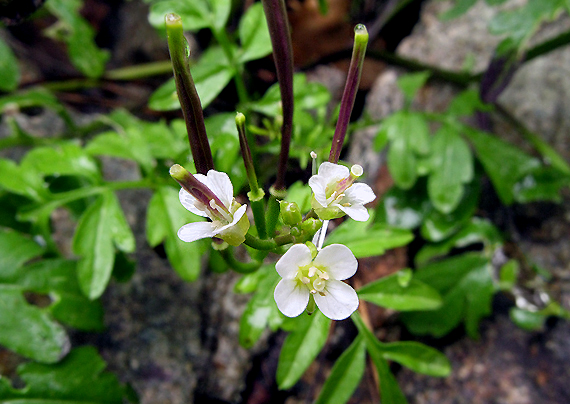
[
  {"x": 211, "y": 74},
  {"x": 551, "y": 156},
  {"x": 79, "y": 36},
  {"x": 99, "y": 226},
  {"x": 78, "y": 379},
  {"x": 451, "y": 166},
  {"x": 388, "y": 292},
  {"x": 58, "y": 279},
  {"x": 307, "y": 96},
  {"x": 15, "y": 250},
  {"x": 508, "y": 275},
  {"x": 467, "y": 288},
  {"x": 345, "y": 374},
  {"x": 254, "y": 34},
  {"x": 301, "y": 347},
  {"x": 418, "y": 357},
  {"x": 466, "y": 104},
  {"x": 165, "y": 215},
  {"x": 408, "y": 133},
  {"x": 194, "y": 14},
  {"x": 9, "y": 69},
  {"x": 437, "y": 225},
  {"x": 23, "y": 181},
  {"x": 404, "y": 208},
  {"x": 365, "y": 240},
  {"x": 28, "y": 330},
  {"x": 504, "y": 163},
  {"x": 521, "y": 23},
  {"x": 527, "y": 320},
  {"x": 38, "y": 97},
  {"x": 460, "y": 8},
  {"x": 261, "y": 310},
  {"x": 411, "y": 83},
  {"x": 390, "y": 391},
  {"x": 414, "y": 355},
  {"x": 541, "y": 184},
  {"x": 476, "y": 231},
  {"x": 63, "y": 159}
]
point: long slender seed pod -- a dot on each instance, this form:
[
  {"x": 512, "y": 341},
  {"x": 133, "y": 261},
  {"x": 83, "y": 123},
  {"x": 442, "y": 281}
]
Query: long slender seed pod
[
  {"x": 276, "y": 15},
  {"x": 350, "y": 89},
  {"x": 189, "y": 100}
]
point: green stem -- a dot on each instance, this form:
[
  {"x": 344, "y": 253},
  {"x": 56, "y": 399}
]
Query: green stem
[
  {"x": 269, "y": 244},
  {"x": 63, "y": 198},
  {"x": 258, "y": 209},
  {"x": 272, "y": 215},
  {"x": 139, "y": 71},
  {"x": 238, "y": 266},
  {"x": 226, "y": 45}
]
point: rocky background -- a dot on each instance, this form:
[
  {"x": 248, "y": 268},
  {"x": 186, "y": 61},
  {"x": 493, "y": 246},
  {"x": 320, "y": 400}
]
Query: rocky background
[{"x": 177, "y": 342}]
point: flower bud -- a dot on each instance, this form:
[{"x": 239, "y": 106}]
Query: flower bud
[
  {"x": 290, "y": 213},
  {"x": 311, "y": 225}
]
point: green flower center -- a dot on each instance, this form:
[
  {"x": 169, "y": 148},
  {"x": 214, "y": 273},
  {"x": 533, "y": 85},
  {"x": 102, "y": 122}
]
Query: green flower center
[{"x": 313, "y": 277}]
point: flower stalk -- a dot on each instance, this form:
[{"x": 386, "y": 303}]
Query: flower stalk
[
  {"x": 350, "y": 89},
  {"x": 256, "y": 194},
  {"x": 188, "y": 96},
  {"x": 278, "y": 24}
]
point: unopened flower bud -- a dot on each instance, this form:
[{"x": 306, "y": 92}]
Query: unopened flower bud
[
  {"x": 311, "y": 225},
  {"x": 290, "y": 213}
]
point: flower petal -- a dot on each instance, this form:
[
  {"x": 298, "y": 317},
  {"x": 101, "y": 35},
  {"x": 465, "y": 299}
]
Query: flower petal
[
  {"x": 220, "y": 184},
  {"x": 356, "y": 212},
  {"x": 359, "y": 194},
  {"x": 191, "y": 203},
  {"x": 333, "y": 172},
  {"x": 339, "y": 302},
  {"x": 298, "y": 256},
  {"x": 337, "y": 260},
  {"x": 291, "y": 298},
  {"x": 195, "y": 231},
  {"x": 319, "y": 185},
  {"x": 238, "y": 214}
]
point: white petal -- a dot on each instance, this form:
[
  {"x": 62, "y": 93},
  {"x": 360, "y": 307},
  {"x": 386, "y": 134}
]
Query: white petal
[
  {"x": 220, "y": 184},
  {"x": 359, "y": 194},
  {"x": 191, "y": 203},
  {"x": 298, "y": 256},
  {"x": 238, "y": 214},
  {"x": 195, "y": 231},
  {"x": 356, "y": 212},
  {"x": 291, "y": 298},
  {"x": 338, "y": 261},
  {"x": 333, "y": 172},
  {"x": 319, "y": 185},
  {"x": 339, "y": 302}
]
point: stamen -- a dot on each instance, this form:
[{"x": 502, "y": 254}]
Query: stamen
[
  {"x": 312, "y": 271},
  {"x": 324, "y": 276},
  {"x": 322, "y": 293},
  {"x": 313, "y": 291},
  {"x": 305, "y": 280},
  {"x": 220, "y": 210}
]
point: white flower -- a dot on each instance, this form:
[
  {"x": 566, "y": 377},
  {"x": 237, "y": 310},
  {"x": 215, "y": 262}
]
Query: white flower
[
  {"x": 320, "y": 277},
  {"x": 215, "y": 201},
  {"x": 335, "y": 194}
]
